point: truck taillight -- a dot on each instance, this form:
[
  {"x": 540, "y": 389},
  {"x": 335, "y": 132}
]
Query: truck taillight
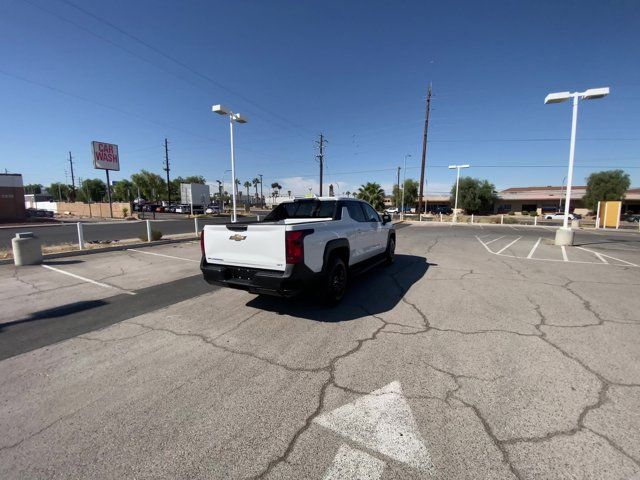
[
  {"x": 294, "y": 241},
  {"x": 202, "y": 241}
]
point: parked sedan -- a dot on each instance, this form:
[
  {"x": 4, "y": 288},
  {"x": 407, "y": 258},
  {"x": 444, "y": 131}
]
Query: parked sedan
[
  {"x": 558, "y": 216},
  {"x": 212, "y": 210},
  {"x": 633, "y": 218}
]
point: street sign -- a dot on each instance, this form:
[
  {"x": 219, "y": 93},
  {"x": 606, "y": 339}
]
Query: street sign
[{"x": 105, "y": 156}]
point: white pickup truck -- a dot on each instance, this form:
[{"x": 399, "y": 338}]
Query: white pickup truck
[{"x": 302, "y": 243}]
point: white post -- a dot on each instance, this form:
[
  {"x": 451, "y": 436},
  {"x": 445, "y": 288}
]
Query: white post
[
  {"x": 233, "y": 171},
  {"x": 501, "y": 219},
  {"x": 604, "y": 222},
  {"x": 404, "y": 181},
  {"x": 472, "y": 218},
  {"x": 567, "y": 200},
  {"x": 195, "y": 221},
  {"x": 598, "y": 216},
  {"x": 148, "y": 230},
  {"x": 440, "y": 217},
  {"x": 80, "y": 237},
  {"x": 535, "y": 220},
  {"x": 455, "y": 208}
]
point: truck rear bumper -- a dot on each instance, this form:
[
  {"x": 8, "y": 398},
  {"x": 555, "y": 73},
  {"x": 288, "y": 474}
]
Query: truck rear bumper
[{"x": 284, "y": 284}]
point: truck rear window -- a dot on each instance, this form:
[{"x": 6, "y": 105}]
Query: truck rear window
[{"x": 302, "y": 209}]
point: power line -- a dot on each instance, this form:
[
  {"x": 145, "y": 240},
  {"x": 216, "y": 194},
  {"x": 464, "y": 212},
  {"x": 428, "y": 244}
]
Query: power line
[{"x": 183, "y": 65}]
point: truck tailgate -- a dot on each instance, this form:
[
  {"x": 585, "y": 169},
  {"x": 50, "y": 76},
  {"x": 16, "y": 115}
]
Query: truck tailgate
[{"x": 253, "y": 245}]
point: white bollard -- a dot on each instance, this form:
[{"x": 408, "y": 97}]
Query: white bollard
[
  {"x": 440, "y": 217},
  {"x": 501, "y": 219},
  {"x": 80, "y": 237},
  {"x": 472, "y": 218},
  {"x": 195, "y": 221},
  {"x": 148, "y": 230},
  {"x": 535, "y": 221}
]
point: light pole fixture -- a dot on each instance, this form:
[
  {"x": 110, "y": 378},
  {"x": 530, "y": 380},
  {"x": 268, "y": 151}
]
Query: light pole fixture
[
  {"x": 455, "y": 208},
  {"x": 564, "y": 235},
  {"x": 237, "y": 118},
  {"x": 404, "y": 184}
]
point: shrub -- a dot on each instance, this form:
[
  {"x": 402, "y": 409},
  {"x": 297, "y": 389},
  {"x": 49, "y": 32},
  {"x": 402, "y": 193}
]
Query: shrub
[
  {"x": 511, "y": 213},
  {"x": 155, "y": 235},
  {"x": 125, "y": 212},
  {"x": 525, "y": 213}
]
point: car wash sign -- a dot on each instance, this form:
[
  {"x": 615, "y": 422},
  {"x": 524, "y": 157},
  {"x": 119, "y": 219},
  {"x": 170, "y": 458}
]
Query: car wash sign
[{"x": 105, "y": 156}]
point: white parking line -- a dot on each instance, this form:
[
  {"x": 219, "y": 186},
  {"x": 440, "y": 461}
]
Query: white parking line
[
  {"x": 494, "y": 240},
  {"x": 511, "y": 226},
  {"x": 564, "y": 253},
  {"x": 88, "y": 280},
  {"x": 608, "y": 256},
  {"x": 504, "y": 248},
  {"x": 163, "y": 255},
  {"x": 534, "y": 248}
]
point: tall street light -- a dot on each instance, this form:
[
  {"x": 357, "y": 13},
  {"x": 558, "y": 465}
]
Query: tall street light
[
  {"x": 233, "y": 117},
  {"x": 404, "y": 184},
  {"x": 455, "y": 208},
  {"x": 564, "y": 235}
]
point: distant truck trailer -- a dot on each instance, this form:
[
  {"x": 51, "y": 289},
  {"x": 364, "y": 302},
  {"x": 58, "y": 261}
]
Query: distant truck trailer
[{"x": 194, "y": 193}]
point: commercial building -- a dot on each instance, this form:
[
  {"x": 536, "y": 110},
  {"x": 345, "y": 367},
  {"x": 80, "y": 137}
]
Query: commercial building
[
  {"x": 11, "y": 197},
  {"x": 535, "y": 199}
]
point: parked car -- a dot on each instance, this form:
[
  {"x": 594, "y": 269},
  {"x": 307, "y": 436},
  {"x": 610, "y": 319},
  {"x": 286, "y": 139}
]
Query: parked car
[
  {"x": 183, "y": 208},
  {"x": 442, "y": 210},
  {"x": 558, "y": 216},
  {"x": 392, "y": 210},
  {"x": 213, "y": 209},
  {"x": 302, "y": 244},
  {"x": 633, "y": 217}
]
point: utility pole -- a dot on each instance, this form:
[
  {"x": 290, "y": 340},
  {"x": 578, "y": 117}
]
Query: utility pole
[
  {"x": 396, "y": 198},
  {"x": 166, "y": 169},
  {"x": 73, "y": 183},
  {"x": 424, "y": 150},
  {"x": 261, "y": 195},
  {"x": 321, "y": 159}
]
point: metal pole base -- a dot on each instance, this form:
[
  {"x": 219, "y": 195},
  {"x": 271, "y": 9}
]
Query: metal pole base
[{"x": 564, "y": 236}]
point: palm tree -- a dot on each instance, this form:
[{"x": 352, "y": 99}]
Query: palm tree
[
  {"x": 247, "y": 185},
  {"x": 256, "y": 182},
  {"x": 372, "y": 193},
  {"x": 276, "y": 188},
  {"x": 347, "y": 193}
]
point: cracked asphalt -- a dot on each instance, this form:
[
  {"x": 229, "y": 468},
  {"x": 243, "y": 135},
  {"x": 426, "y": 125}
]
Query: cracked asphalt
[{"x": 512, "y": 368}]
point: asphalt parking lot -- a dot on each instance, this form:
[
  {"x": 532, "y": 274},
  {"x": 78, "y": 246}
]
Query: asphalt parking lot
[{"x": 483, "y": 352}]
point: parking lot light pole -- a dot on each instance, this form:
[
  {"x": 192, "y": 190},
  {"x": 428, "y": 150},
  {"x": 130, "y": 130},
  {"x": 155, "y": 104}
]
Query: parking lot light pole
[
  {"x": 233, "y": 117},
  {"x": 455, "y": 208},
  {"x": 404, "y": 184},
  {"x": 564, "y": 235}
]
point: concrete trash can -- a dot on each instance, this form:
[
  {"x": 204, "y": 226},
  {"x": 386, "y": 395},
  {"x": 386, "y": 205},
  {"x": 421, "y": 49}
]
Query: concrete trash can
[
  {"x": 27, "y": 249},
  {"x": 575, "y": 223}
]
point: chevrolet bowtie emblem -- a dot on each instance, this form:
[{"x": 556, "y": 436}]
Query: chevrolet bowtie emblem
[{"x": 237, "y": 237}]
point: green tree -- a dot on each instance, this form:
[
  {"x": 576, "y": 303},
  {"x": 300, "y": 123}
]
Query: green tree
[
  {"x": 33, "y": 188},
  {"x": 372, "y": 193},
  {"x": 474, "y": 195},
  {"x": 152, "y": 186},
  {"x": 195, "y": 179},
  {"x": 60, "y": 191},
  {"x": 123, "y": 191},
  {"x": 606, "y": 185},
  {"x": 247, "y": 185},
  {"x": 410, "y": 193},
  {"x": 92, "y": 189}
]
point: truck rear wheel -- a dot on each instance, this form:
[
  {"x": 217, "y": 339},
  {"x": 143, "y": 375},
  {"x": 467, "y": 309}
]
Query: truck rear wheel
[
  {"x": 390, "y": 254},
  {"x": 335, "y": 283}
]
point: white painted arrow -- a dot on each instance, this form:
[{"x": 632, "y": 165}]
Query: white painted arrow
[{"x": 381, "y": 421}]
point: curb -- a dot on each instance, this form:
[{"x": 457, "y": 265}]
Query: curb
[{"x": 75, "y": 253}]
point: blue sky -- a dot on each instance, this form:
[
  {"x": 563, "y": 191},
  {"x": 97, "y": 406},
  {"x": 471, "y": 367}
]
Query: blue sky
[{"x": 356, "y": 71}]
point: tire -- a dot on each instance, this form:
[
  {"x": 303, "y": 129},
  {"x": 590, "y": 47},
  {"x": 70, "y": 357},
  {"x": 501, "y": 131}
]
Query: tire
[
  {"x": 335, "y": 283},
  {"x": 390, "y": 254}
]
